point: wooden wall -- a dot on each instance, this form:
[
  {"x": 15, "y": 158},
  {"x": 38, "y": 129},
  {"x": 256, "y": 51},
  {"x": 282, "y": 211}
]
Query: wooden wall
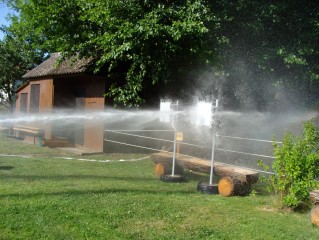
[
  {"x": 94, "y": 129},
  {"x": 83, "y": 94},
  {"x": 46, "y": 95},
  {"x": 60, "y": 93},
  {"x": 45, "y": 102}
]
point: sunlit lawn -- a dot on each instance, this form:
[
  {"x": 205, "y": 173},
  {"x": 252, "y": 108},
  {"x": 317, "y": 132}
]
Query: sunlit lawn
[{"x": 44, "y": 197}]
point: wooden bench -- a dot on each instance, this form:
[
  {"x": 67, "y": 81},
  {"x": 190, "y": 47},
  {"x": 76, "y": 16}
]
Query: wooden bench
[
  {"x": 235, "y": 180},
  {"x": 57, "y": 142},
  {"x": 4, "y": 130},
  {"x": 28, "y": 131}
]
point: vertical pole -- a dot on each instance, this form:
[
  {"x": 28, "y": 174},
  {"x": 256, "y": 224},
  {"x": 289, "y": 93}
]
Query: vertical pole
[
  {"x": 213, "y": 144},
  {"x": 174, "y": 154},
  {"x": 178, "y": 147}
]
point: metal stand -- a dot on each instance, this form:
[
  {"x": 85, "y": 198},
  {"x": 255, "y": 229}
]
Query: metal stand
[
  {"x": 174, "y": 154},
  {"x": 213, "y": 144},
  {"x": 173, "y": 177},
  {"x": 210, "y": 187}
]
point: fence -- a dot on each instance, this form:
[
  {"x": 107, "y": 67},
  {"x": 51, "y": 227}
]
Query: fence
[{"x": 132, "y": 133}]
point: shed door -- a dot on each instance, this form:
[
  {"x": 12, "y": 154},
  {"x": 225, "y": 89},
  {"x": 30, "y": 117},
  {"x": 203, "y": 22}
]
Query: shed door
[
  {"x": 23, "y": 102},
  {"x": 35, "y": 98},
  {"x": 80, "y": 94}
]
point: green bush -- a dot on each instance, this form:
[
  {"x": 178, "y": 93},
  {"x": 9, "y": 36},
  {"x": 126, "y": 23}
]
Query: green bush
[{"x": 296, "y": 166}]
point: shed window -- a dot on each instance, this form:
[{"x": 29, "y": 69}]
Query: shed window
[
  {"x": 23, "y": 102},
  {"x": 35, "y": 98}
]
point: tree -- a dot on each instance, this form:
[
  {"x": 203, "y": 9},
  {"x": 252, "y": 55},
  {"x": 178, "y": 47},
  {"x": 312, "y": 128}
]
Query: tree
[
  {"x": 273, "y": 51},
  {"x": 134, "y": 42},
  {"x": 260, "y": 52},
  {"x": 15, "y": 59}
]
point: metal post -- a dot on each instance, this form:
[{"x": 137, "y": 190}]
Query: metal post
[
  {"x": 174, "y": 154},
  {"x": 213, "y": 144}
]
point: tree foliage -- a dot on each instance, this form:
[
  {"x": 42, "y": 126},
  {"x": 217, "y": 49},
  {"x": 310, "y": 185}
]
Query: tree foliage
[
  {"x": 273, "y": 51},
  {"x": 133, "y": 41},
  {"x": 16, "y": 58},
  {"x": 260, "y": 51}
]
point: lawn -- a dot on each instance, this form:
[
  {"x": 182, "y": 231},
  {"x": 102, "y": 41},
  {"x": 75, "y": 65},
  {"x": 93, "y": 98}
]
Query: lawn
[{"x": 43, "y": 196}]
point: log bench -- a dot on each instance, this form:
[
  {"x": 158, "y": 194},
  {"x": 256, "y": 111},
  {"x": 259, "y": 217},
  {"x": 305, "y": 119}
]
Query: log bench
[
  {"x": 23, "y": 131},
  {"x": 234, "y": 180}
]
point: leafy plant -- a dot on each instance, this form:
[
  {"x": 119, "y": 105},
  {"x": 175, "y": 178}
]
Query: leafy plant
[{"x": 296, "y": 166}]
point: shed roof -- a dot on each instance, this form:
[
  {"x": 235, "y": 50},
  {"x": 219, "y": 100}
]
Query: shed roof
[{"x": 52, "y": 67}]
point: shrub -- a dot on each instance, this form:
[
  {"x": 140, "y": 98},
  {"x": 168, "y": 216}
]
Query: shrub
[{"x": 296, "y": 166}]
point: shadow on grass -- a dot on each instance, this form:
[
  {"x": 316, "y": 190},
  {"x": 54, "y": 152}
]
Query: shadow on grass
[
  {"x": 6, "y": 167},
  {"x": 147, "y": 189},
  {"x": 81, "y": 177},
  {"x": 114, "y": 190},
  {"x": 200, "y": 177},
  {"x": 190, "y": 176},
  {"x": 153, "y": 185}
]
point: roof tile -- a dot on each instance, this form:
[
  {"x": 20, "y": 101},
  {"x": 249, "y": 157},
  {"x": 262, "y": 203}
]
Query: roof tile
[{"x": 52, "y": 67}]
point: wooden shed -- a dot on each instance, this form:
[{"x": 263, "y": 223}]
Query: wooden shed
[{"x": 68, "y": 85}]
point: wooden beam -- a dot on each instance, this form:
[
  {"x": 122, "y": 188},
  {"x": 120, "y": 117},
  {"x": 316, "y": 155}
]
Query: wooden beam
[
  {"x": 25, "y": 130},
  {"x": 202, "y": 165}
]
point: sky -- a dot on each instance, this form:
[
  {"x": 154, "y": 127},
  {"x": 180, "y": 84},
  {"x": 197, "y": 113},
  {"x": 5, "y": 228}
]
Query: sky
[{"x": 3, "y": 13}]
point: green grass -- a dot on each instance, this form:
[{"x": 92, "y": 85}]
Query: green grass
[{"x": 43, "y": 197}]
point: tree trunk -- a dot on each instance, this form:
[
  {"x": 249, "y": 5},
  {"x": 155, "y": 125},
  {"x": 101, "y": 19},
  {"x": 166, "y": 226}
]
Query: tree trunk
[
  {"x": 228, "y": 186},
  {"x": 196, "y": 164},
  {"x": 314, "y": 196},
  {"x": 314, "y": 215},
  {"x": 165, "y": 168}
]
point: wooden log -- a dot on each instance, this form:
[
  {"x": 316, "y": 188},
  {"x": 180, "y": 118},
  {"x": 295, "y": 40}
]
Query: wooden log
[
  {"x": 202, "y": 165},
  {"x": 159, "y": 169},
  {"x": 314, "y": 196},
  {"x": 314, "y": 215},
  {"x": 165, "y": 168},
  {"x": 228, "y": 186}
]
